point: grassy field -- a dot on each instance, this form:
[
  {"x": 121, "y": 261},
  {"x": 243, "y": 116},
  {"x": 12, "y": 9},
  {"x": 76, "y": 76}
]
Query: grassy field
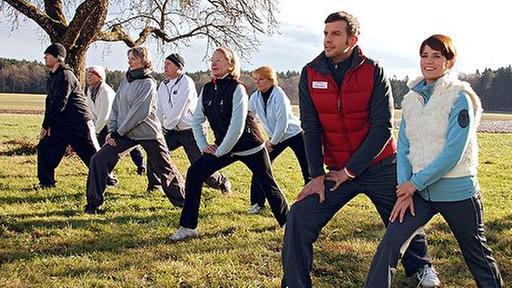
[
  {"x": 35, "y": 102},
  {"x": 46, "y": 240},
  {"x": 22, "y": 101}
]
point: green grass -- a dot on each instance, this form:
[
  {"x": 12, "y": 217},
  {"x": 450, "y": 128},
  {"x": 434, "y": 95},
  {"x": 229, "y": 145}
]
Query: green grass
[
  {"x": 22, "y": 101},
  {"x": 46, "y": 240}
]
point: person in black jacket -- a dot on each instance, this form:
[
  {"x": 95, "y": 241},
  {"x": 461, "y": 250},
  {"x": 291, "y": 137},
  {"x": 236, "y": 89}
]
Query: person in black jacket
[
  {"x": 224, "y": 103},
  {"x": 67, "y": 119}
]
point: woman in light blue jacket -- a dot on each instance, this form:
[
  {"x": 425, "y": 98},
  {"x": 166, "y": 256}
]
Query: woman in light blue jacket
[{"x": 272, "y": 107}]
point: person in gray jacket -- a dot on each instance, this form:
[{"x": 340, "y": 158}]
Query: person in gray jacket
[
  {"x": 272, "y": 107},
  {"x": 133, "y": 121},
  {"x": 177, "y": 100},
  {"x": 100, "y": 97}
]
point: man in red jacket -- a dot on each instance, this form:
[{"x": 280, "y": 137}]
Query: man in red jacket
[{"x": 346, "y": 109}]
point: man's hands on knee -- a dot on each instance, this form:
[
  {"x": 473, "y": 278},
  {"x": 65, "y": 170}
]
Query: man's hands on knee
[
  {"x": 44, "y": 132},
  {"x": 338, "y": 177},
  {"x": 315, "y": 186},
  {"x": 110, "y": 139}
]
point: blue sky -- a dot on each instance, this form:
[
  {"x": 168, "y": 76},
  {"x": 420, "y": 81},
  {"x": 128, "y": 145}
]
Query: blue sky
[{"x": 391, "y": 34}]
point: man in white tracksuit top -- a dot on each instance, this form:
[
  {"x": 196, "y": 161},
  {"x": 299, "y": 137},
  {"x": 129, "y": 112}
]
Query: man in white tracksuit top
[{"x": 177, "y": 100}]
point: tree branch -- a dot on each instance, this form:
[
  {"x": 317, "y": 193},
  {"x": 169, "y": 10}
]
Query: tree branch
[
  {"x": 50, "y": 26},
  {"x": 115, "y": 34},
  {"x": 54, "y": 9},
  {"x": 84, "y": 17},
  {"x": 95, "y": 21}
]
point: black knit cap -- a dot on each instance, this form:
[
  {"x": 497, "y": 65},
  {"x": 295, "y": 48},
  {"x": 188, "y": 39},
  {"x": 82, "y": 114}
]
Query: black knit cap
[
  {"x": 56, "y": 50},
  {"x": 177, "y": 60}
]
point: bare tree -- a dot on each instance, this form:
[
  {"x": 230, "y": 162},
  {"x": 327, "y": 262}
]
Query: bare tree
[{"x": 233, "y": 23}]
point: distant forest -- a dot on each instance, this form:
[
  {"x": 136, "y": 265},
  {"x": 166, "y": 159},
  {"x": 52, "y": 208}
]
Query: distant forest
[{"x": 493, "y": 86}]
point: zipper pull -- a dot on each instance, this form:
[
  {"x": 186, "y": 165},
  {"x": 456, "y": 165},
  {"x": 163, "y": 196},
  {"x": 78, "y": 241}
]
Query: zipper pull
[
  {"x": 339, "y": 104},
  {"x": 221, "y": 101}
]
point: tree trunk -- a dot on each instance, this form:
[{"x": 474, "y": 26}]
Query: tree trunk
[{"x": 76, "y": 59}]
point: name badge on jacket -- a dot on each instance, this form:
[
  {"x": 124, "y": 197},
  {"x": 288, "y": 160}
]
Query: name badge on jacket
[{"x": 319, "y": 85}]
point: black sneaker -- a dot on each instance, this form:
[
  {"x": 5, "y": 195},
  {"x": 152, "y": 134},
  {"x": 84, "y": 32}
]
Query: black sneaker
[
  {"x": 40, "y": 186},
  {"x": 141, "y": 170},
  {"x": 154, "y": 188},
  {"x": 112, "y": 181},
  {"x": 89, "y": 209}
]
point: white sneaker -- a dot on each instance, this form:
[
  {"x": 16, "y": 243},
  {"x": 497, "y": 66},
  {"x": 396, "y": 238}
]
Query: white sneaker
[
  {"x": 255, "y": 209},
  {"x": 427, "y": 277},
  {"x": 184, "y": 233}
]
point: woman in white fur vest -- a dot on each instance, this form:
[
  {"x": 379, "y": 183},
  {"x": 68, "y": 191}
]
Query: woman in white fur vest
[{"x": 437, "y": 168}]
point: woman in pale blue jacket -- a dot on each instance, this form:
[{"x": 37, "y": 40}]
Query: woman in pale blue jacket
[
  {"x": 436, "y": 169},
  {"x": 272, "y": 107}
]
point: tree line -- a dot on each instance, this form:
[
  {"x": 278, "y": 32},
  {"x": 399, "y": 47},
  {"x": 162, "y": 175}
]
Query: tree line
[
  {"x": 493, "y": 86},
  {"x": 80, "y": 23}
]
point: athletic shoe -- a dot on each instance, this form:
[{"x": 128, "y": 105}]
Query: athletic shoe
[
  {"x": 112, "y": 181},
  {"x": 255, "y": 209},
  {"x": 427, "y": 277},
  {"x": 141, "y": 170},
  {"x": 184, "y": 233},
  {"x": 155, "y": 188},
  {"x": 89, "y": 209},
  {"x": 40, "y": 186}
]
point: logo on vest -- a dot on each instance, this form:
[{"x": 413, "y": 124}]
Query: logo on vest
[{"x": 319, "y": 85}]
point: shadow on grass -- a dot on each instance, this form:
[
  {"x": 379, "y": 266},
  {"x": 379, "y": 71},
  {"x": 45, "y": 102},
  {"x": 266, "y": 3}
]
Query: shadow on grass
[
  {"x": 494, "y": 228},
  {"x": 14, "y": 175},
  {"x": 54, "y": 195},
  {"x": 21, "y": 147},
  {"x": 54, "y": 213},
  {"x": 36, "y": 198},
  {"x": 111, "y": 241},
  {"x": 340, "y": 269}
]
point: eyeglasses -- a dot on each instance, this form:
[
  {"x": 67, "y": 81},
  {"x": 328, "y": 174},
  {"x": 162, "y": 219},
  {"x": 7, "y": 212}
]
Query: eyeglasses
[
  {"x": 218, "y": 60},
  {"x": 93, "y": 73}
]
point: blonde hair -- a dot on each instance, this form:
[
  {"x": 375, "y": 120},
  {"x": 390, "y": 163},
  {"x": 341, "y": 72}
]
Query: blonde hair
[
  {"x": 266, "y": 71},
  {"x": 142, "y": 53},
  {"x": 233, "y": 60}
]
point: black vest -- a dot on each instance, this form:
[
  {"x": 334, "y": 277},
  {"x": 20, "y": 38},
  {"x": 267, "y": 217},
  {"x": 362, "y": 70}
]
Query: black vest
[{"x": 218, "y": 105}]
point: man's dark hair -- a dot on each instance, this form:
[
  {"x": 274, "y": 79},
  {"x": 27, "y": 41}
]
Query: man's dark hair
[{"x": 351, "y": 20}]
